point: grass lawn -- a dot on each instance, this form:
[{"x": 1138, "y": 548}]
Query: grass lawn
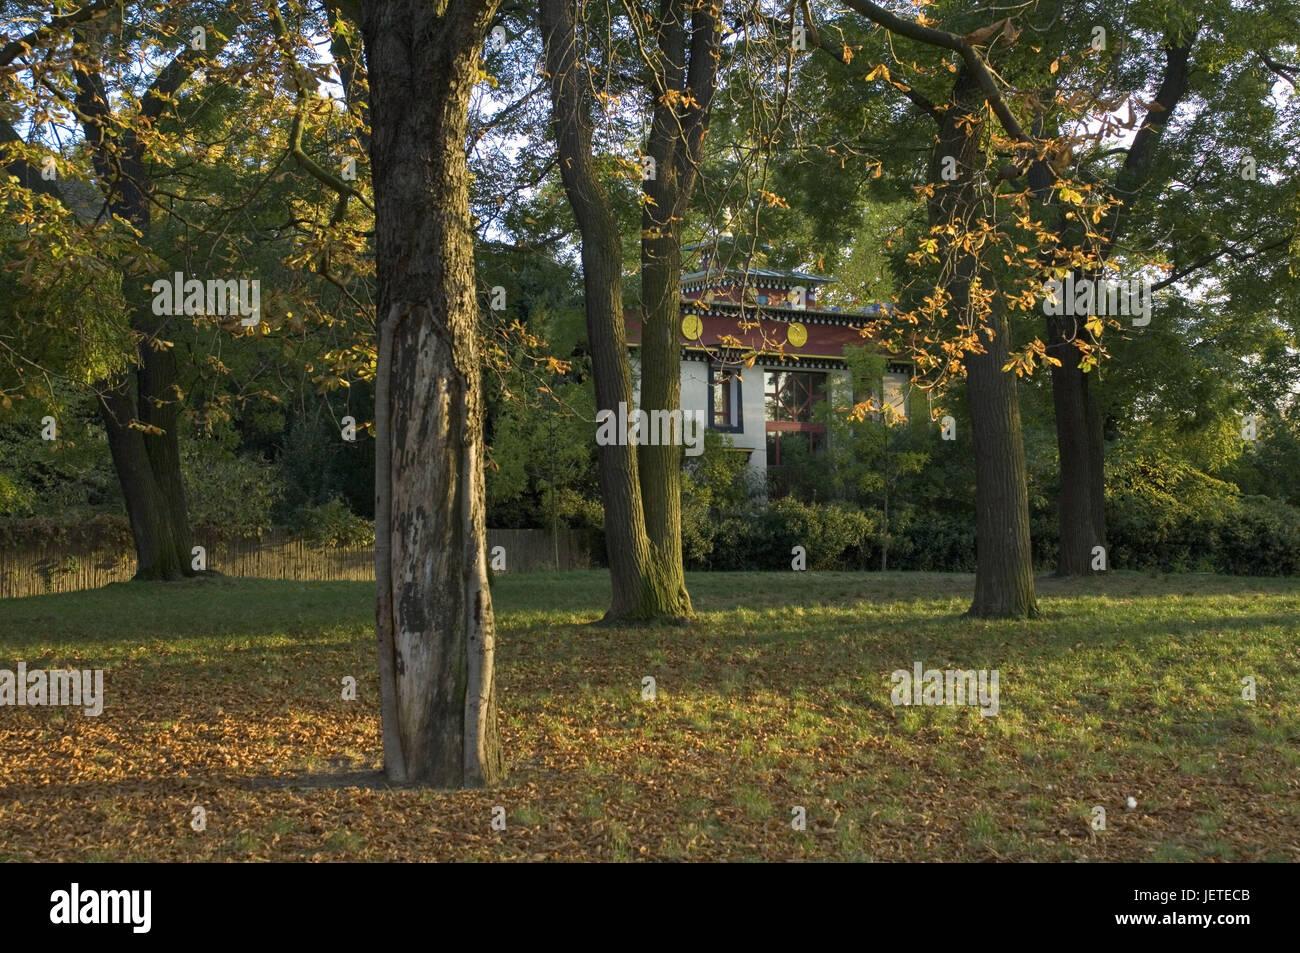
[{"x": 226, "y": 694}]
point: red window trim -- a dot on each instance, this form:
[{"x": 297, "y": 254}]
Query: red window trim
[{"x": 796, "y": 425}]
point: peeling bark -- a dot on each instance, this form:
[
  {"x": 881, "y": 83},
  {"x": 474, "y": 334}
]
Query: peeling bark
[{"x": 434, "y": 624}]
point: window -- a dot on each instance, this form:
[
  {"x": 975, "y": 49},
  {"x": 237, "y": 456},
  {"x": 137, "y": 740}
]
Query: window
[
  {"x": 894, "y": 384},
  {"x": 790, "y": 396},
  {"x": 724, "y": 398},
  {"x": 790, "y": 399}
]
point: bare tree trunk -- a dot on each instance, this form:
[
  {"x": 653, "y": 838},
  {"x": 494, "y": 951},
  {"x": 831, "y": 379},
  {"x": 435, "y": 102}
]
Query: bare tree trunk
[
  {"x": 434, "y": 623},
  {"x": 1078, "y": 529}
]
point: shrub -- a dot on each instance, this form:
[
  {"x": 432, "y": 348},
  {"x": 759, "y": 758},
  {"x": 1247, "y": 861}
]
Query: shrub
[
  {"x": 1261, "y": 539},
  {"x": 762, "y": 537},
  {"x": 332, "y": 525},
  {"x": 104, "y": 531},
  {"x": 932, "y": 542},
  {"x": 232, "y": 495}
]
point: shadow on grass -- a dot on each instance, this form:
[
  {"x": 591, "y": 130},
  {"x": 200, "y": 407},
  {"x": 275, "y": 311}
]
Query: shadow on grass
[
  {"x": 183, "y": 788},
  {"x": 321, "y": 780}
]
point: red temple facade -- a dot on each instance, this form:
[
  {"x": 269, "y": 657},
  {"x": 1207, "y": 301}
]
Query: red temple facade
[{"x": 731, "y": 315}]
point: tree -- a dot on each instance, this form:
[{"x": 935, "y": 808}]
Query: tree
[
  {"x": 434, "y": 622},
  {"x": 139, "y": 410},
  {"x": 678, "y": 48},
  {"x": 1081, "y": 503},
  {"x": 962, "y": 208},
  {"x": 1004, "y": 573},
  {"x": 135, "y": 162}
]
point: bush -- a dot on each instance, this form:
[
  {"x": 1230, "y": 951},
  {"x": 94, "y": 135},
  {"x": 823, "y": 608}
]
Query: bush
[
  {"x": 1172, "y": 517},
  {"x": 1262, "y": 539},
  {"x": 931, "y": 542},
  {"x": 104, "y": 531},
  {"x": 231, "y": 495},
  {"x": 332, "y": 525},
  {"x": 762, "y": 537}
]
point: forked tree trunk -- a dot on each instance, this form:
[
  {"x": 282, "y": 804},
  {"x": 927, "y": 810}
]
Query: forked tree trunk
[
  {"x": 626, "y": 543},
  {"x": 640, "y": 489},
  {"x": 1004, "y": 574},
  {"x": 434, "y": 623},
  {"x": 1080, "y": 436}
]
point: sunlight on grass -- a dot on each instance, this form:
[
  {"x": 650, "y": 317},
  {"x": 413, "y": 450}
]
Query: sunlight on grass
[{"x": 777, "y": 694}]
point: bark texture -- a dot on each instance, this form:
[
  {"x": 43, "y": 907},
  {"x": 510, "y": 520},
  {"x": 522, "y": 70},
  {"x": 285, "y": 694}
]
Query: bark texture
[
  {"x": 641, "y": 487},
  {"x": 1004, "y": 575},
  {"x": 434, "y": 623}
]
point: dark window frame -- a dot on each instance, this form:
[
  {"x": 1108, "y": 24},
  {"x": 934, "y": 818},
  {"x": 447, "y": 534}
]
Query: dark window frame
[{"x": 735, "y": 394}]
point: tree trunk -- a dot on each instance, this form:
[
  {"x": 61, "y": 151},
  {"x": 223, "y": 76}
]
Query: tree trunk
[
  {"x": 1004, "y": 574},
  {"x": 434, "y": 618},
  {"x": 688, "y": 63},
  {"x": 1080, "y": 437},
  {"x": 884, "y": 539},
  {"x": 1004, "y": 569},
  {"x": 641, "y": 493},
  {"x": 1070, "y": 396},
  {"x": 162, "y": 547},
  {"x": 141, "y": 422},
  {"x": 1096, "y": 456},
  {"x": 661, "y": 389}
]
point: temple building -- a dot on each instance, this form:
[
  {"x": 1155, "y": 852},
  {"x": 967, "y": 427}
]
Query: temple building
[{"x": 730, "y": 314}]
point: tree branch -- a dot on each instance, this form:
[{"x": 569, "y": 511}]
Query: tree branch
[
  {"x": 23, "y": 44},
  {"x": 949, "y": 41}
]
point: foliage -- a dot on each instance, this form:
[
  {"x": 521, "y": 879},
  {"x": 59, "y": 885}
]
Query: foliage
[
  {"x": 70, "y": 475},
  {"x": 1168, "y": 516},
  {"x": 230, "y": 493},
  {"x": 108, "y": 532},
  {"x": 332, "y": 525},
  {"x": 764, "y": 536},
  {"x": 717, "y": 482}
]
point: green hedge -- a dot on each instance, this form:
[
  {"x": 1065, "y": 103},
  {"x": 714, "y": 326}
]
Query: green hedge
[
  {"x": 1181, "y": 531},
  {"x": 763, "y": 537}
]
